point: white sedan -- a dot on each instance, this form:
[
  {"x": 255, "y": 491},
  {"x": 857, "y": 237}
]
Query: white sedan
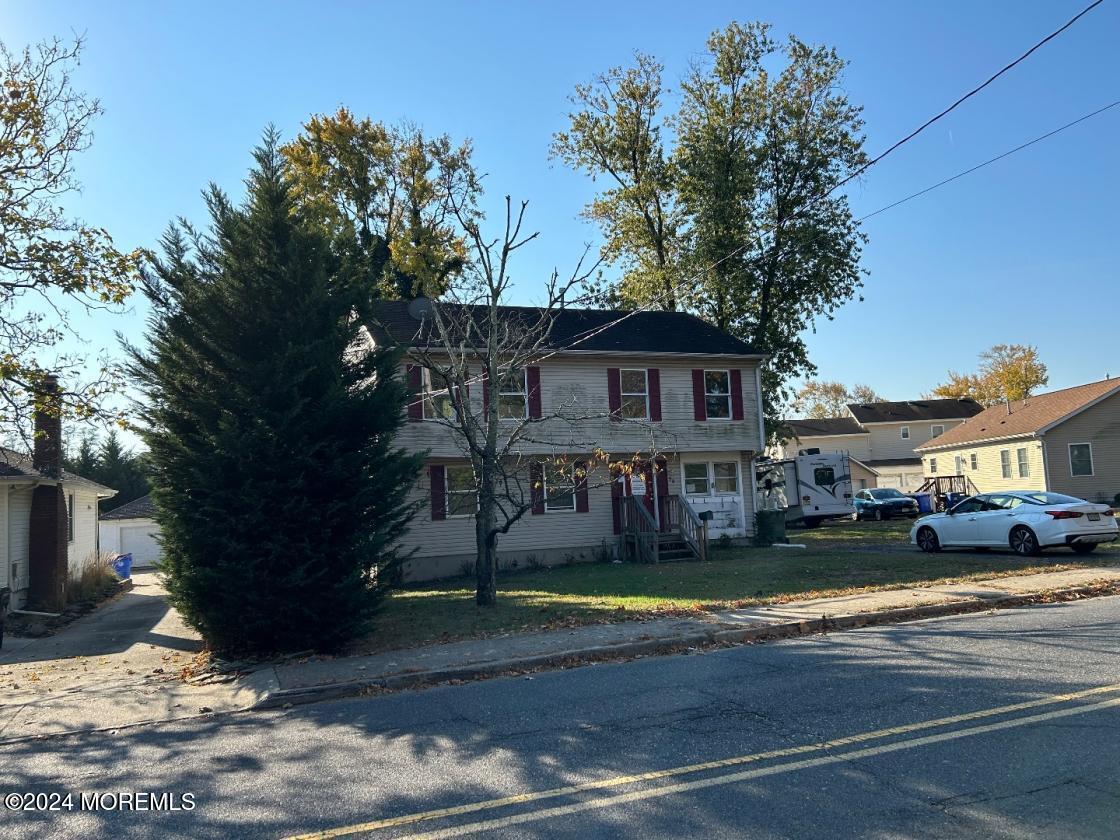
[{"x": 1027, "y": 521}]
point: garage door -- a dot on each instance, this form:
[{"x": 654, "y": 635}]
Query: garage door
[{"x": 140, "y": 542}]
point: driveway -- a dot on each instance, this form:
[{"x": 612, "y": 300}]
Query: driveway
[{"x": 118, "y": 664}]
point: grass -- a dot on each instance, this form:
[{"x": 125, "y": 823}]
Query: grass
[{"x": 567, "y": 596}]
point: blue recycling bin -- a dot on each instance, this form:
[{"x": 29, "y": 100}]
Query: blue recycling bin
[
  {"x": 925, "y": 502},
  {"x": 952, "y": 499},
  {"x": 122, "y": 565}
]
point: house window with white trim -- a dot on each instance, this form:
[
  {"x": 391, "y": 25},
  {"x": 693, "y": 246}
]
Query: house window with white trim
[
  {"x": 696, "y": 479},
  {"x": 933, "y": 466},
  {"x": 958, "y": 464},
  {"x": 717, "y": 394},
  {"x": 973, "y": 462},
  {"x": 462, "y": 495},
  {"x": 936, "y": 430},
  {"x": 1005, "y": 463},
  {"x": 559, "y": 487},
  {"x": 1024, "y": 463},
  {"x": 904, "y": 432},
  {"x": 1081, "y": 459},
  {"x": 635, "y": 393},
  {"x": 726, "y": 475},
  {"x": 513, "y": 396},
  {"x": 438, "y": 404}
]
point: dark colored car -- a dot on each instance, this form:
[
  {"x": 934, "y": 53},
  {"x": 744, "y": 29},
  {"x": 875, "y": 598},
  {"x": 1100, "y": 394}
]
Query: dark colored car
[{"x": 883, "y": 503}]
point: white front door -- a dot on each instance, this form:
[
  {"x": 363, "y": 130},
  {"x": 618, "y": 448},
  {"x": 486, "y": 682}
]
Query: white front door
[{"x": 715, "y": 485}]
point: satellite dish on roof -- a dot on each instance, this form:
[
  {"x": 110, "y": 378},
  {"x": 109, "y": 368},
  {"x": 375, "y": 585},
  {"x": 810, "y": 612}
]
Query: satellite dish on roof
[{"x": 420, "y": 309}]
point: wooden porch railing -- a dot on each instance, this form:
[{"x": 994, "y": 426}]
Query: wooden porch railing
[
  {"x": 638, "y": 530},
  {"x": 678, "y": 516}
]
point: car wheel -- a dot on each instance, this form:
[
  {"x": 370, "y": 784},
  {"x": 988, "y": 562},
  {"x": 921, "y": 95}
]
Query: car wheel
[
  {"x": 878, "y": 514},
  {"x": 1083, "y": 548},
  {"x": 1023, "y": 541},
  {"x": 856, "y": 517},
  {"x": 927, "y": 540}
]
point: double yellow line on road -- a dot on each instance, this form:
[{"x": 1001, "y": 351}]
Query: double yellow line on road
[{"x": 730, "y": 778}]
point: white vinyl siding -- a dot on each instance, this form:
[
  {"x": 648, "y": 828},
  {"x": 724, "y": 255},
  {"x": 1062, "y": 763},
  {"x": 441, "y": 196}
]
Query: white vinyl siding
[
  {"x": 990, "y": 476},
  {"x": 887, "y": 440}
]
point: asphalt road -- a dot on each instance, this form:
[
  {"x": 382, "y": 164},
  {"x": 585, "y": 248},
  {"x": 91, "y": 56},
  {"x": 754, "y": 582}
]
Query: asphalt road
[{"x": 902, "y": 731}]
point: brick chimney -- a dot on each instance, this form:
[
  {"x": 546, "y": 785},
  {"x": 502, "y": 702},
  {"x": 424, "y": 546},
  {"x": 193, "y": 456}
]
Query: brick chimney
[{"x": 48, "y": 544}]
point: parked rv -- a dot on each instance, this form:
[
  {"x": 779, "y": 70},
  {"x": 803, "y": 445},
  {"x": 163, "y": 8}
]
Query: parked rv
[{"x": 811, "y": 487}]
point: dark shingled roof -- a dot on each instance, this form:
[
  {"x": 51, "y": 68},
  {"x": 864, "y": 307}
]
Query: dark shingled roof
[
  {"x": 915, "y": 410},
  {"x": 17, "y": 465},
  {"x": 141, "y": 508},
  {"x": 828, "y": 426},
  {"x": 641, "y": 332}
]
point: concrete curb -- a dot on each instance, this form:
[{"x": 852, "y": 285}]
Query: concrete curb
[{"x": 274, "y": 698}]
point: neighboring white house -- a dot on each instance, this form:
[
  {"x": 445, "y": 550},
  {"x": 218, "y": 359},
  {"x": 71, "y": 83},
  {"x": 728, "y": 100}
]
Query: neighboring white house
[
  {"x": 882, "y": 436},
  {"x": 19, "y": 541},
  {"x": 693, "y": 424},
  {"x": 132, "y": 529},
  {"x": 1064, "y": 441}
]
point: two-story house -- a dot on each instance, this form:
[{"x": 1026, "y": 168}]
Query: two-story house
[
  {"x": 882, "y": 437},
  {"x": 665, "y": 387}
]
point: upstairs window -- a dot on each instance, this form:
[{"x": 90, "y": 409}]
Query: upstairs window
[
  {"x": 936, "y": 430},
  {"x": 559, "y": 487},
  {"x": 717, "y": 394},
  {"x": 513, "y": 396},
  {"x": 905, "y": 432},
  {"x": 1081, "y": 459},
  {"x": 635, "y": 394},
  {"x": 438, "y": 404},
  {"x": 973, "y": 461},
  {"x": 462, "y": 495},
  {"x": 933, "y": 466},
  {"x": 1024, "y": 463},
  {"x": 1005, "y": 463}
]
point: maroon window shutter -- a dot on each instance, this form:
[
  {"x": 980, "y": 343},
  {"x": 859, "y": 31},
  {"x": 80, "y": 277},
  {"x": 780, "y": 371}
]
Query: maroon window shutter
[
  {"x": 415, "y": 388},
  {"x": 616, "y": 502},
  {"x": 614, "y": 393},
  {"x": 536, "y": 486},
  {"x": 699, "y": 410},
  {"x": 653, "y": 379},
  {"x": 438, "y": 479},
  {"x": 736, "y": 394},
  {"x": 533, "y": 382},
  {"x": 581, "y": 487}
]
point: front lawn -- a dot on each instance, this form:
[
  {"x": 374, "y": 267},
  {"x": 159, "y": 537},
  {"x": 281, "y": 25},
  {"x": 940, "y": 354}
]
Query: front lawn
[{"x": 598, "y": 592}]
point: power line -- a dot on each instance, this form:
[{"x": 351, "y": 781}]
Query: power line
[
  {"x": 970, "y": 94},
  {"x": 579, "y": 338},
  {"x": 970, "y": 170}
]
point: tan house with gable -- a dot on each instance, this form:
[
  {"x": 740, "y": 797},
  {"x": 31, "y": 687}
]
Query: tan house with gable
[
  {"x": 663, "y": 386},
  {"x": 881, "y": 438},
  {"x": 1065, "y": 441}
]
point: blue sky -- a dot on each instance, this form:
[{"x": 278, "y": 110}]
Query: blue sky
[{"x": 1023, "y": 251}]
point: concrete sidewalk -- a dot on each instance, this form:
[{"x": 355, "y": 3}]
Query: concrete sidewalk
[
  {"x": 317, "y": 678},
  {"x": 131, "y": 683}
]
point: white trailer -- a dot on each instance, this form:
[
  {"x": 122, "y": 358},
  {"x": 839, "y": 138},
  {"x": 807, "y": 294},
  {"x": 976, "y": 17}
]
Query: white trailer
[{"x": 812, "y": 487}]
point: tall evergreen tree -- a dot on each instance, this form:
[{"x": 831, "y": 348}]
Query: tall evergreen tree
[{"x": 278, "y": 489}]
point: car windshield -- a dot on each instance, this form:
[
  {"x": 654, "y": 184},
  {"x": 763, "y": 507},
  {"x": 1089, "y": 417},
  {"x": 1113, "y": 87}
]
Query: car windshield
[
  {"x": 887, "y": 493},
  {"x": 1041, "y": 498}
]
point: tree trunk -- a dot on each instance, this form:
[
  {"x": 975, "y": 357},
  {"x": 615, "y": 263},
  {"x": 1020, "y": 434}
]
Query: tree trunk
[{"x": 486, "y": 555}]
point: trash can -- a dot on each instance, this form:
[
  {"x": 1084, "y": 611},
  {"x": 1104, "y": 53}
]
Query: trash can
[
  {"x": 925, "y": 502},
  {"x": 952, "y": 499},
  {"x": 771, "y": 527},
  {"x": 122, "y": 565}
]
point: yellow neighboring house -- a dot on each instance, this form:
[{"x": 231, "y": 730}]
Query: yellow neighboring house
[{"x": 1065, "y": 441}]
